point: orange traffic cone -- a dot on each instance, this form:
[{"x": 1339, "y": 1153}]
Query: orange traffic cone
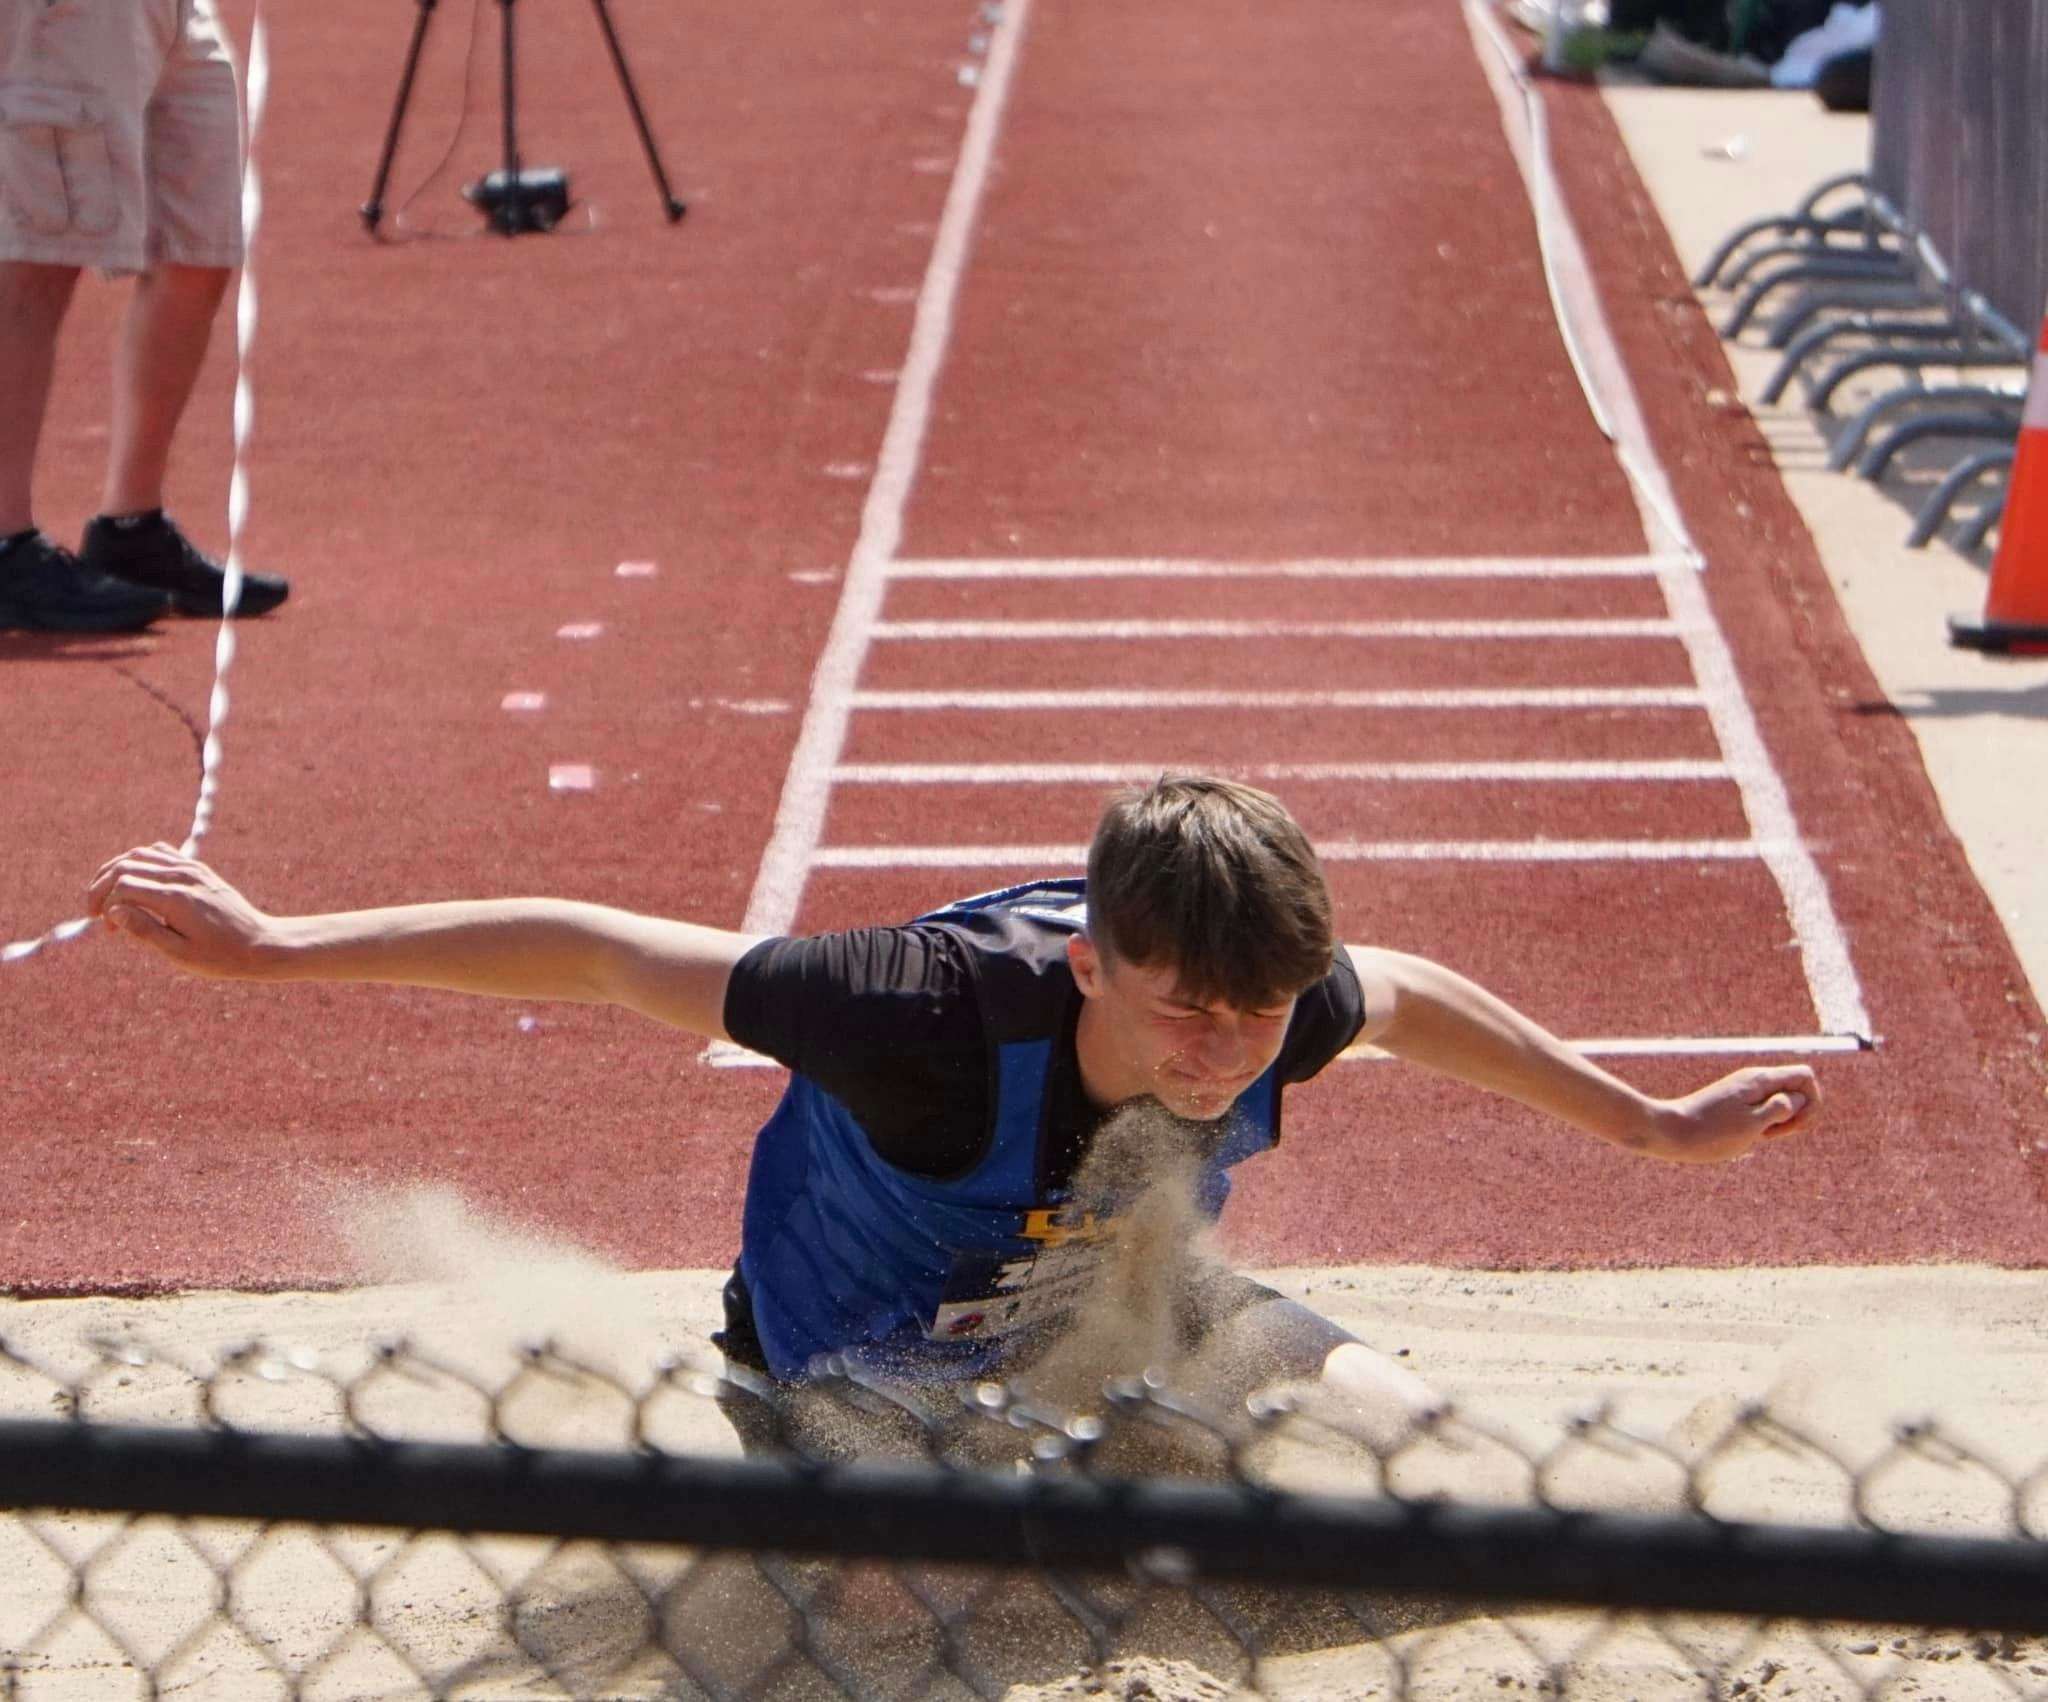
[{"x": 2016, "y": 609}]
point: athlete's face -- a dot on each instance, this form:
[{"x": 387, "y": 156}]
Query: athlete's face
[{"x": 1140, "y": 1035}]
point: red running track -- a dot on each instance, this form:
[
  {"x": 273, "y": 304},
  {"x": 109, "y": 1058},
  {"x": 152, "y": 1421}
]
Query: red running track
[{"x": 1242, "y": 289}]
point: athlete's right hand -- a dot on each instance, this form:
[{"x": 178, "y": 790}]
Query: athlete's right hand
[{"x": 177, "y": 904}]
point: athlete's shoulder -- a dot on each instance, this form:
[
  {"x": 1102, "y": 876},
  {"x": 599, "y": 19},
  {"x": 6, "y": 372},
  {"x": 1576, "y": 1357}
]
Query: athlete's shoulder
[
  {"x": 1327, "y": 1018},
  {"x": 1015, "y": 945}
]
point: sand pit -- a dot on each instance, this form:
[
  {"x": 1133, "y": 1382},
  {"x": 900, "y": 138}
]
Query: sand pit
[{"x": 1838, "y": 1355}]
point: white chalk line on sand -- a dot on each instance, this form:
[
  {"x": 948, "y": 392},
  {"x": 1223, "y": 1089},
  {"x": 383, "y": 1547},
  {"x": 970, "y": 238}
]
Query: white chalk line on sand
[
  {"x": 1416, "y": 567},
  {"x": 1028, "y": 631},
  {"x": 1831, "y": 977},
  {"x": 806, "y": 789},
  {"x": 257, "y": 91},
  {"x": 1138, "y": 773},
  {"x": 1057, "y": 859}
]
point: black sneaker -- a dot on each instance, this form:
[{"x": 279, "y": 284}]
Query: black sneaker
[
  {"x": 152, "y": 551},
  {"x": 44, "y": 588}
]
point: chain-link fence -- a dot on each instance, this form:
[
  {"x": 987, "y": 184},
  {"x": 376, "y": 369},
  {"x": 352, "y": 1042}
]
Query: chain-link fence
[{"x": 392, "y": 1523}]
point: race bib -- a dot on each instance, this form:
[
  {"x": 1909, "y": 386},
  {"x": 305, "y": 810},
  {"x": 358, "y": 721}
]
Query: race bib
[{"x": 988, "y": 1296}]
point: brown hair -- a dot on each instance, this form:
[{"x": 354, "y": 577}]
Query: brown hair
[{"x": 1215, "y": 880}]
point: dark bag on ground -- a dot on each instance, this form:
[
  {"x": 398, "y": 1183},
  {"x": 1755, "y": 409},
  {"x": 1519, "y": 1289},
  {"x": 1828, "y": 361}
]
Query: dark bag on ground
[
  {"x": 1759, "y": 28},
  {"x": 1843, "y": 83}
]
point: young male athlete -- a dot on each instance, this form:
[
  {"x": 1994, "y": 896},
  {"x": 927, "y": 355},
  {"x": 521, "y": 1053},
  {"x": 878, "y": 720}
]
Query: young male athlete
[{"x": 924, "y": 1199}]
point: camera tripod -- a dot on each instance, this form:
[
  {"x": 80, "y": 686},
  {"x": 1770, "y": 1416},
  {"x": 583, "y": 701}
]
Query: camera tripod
[{"x": 514, "y": 199}]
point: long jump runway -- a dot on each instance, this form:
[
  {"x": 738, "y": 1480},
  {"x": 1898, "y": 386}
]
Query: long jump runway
[{"x": 1030, "y": 404}]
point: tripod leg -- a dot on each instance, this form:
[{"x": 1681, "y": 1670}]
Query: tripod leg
[
  {"x": 673, "y": 208},
  {"x": 514, "y": 209},
  {"x": 373, "y": 209}
]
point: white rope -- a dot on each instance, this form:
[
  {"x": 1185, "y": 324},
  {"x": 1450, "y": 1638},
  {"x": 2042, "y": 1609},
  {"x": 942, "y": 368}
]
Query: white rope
[
  {"x": 245, "y": 420},
  {"x": 258, "y": 87}
]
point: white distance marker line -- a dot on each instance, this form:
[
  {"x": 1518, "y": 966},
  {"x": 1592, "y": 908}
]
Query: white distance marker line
[
  {"x": 1330, "y": 851},
  {"x": 950, "y": 631},
  {"x": 1661, "y": 1046},
  {"x": 806, "y": 790},
  {"x": 1831, "y": 977},
  {"x": 727, "y": 1056},
  {"x": 1534, "y": 697},
  {"x": 1118, "y": 773},
  {"x": 1419, "y": 567}
]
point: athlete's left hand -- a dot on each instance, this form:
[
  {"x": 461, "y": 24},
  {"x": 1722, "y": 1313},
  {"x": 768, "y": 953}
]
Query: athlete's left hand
[{"x": 1727, "y": 1118}]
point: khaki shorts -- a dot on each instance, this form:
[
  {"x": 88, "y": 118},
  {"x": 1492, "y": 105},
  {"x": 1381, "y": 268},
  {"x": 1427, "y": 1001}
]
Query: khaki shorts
[{"x": 120, "y": 135}]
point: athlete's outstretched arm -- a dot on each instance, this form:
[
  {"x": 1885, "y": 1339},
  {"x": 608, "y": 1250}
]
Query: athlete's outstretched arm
[
  {"x": 527, "y": 948},
  {"x": 1433, "y": 1016}
]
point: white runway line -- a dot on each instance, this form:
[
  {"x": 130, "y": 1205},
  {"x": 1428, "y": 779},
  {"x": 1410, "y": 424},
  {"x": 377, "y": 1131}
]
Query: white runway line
[
  {"x": 1059, "y": 858},
  {"x": 794, "y": 845},
  {"x": 1000, "y": 631},
  {"x": 1417, "y": 567},
  {"x": 1534, "y": 697},
  {"x": 1823, "y": 947},
  {"x": 1139, "y": 773},
  {"x": 806, "y": 790},
  {"x": 1651, "y": 1046},
  {"x": 1831, "y": 977},
  {"x": 725, "y": 1055}
]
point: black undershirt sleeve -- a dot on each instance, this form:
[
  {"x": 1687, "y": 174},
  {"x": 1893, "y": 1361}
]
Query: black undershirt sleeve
[
  {"x": 1326, "y": 1019},
  {"x": 884, "y": 1020}
]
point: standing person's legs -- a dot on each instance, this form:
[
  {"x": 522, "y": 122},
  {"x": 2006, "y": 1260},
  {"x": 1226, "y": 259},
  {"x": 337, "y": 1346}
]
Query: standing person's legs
[
  {"x": 163, "y": 345},
  {"x": 72, "y": 82},
  {"x": 194, "y": 154},
  {"x": 33, "y": 301}
]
